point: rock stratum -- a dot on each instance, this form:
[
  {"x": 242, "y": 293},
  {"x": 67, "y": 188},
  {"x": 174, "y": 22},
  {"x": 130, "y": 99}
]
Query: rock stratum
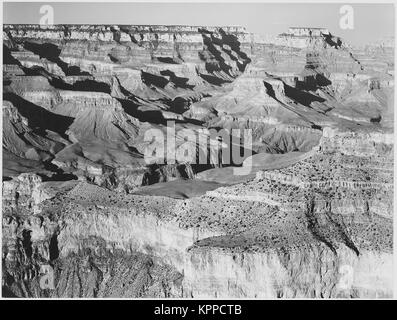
[{"x": 311, "y": 217}]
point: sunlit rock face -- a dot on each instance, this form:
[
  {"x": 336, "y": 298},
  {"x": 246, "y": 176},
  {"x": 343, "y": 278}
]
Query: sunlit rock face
[{"x": 311, "y": 215}]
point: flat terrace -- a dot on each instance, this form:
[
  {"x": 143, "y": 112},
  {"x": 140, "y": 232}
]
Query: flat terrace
[{"x": 322, "y": 170}]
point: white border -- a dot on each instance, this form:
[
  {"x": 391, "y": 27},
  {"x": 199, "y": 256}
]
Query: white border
[{"x": 218, "y": 1}]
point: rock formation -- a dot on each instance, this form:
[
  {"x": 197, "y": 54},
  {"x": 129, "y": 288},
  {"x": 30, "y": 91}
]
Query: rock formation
[{"x": 83, "y": 206}]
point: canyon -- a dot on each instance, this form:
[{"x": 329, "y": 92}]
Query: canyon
[{"x": 310, "y": 215}]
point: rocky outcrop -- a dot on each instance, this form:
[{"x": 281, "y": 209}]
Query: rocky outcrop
[
  {"x": 260, "y": 260},
  {"x": 23, "y": 141},
  {"x": 25, "y": 191},
  {"x": 30, "y": 253}
]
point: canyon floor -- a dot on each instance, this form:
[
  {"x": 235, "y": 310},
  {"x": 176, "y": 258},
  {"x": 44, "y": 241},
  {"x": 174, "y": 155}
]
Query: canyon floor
[{"x": 305, "y": 211}]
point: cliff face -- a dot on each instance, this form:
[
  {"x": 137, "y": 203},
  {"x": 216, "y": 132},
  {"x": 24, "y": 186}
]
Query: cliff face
[{"x": 312, "y": 218}]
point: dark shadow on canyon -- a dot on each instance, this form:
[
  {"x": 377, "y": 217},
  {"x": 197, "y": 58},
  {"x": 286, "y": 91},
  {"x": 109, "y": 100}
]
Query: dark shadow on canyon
[
  {"x": 153, "y": 80},
  {"x": 39, "y": 118},
  {"x": 179, "y": 82},
  {"x": 301, "y": 96},
  {"x": 51, "y": 52}
]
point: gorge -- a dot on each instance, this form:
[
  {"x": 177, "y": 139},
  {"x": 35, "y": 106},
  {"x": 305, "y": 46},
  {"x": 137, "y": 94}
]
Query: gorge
[{"x": 312, "y": 218}]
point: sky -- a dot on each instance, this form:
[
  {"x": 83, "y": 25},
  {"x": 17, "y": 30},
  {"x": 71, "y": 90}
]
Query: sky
[{"x": 371, "y": 21}]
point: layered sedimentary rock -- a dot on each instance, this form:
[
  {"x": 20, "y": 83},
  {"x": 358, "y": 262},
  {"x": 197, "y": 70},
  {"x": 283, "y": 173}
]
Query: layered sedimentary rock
[
  {"x": 311, "y": 215},
  {"x": 261, "y": 230},
  {"x": 22, "y": 140}
]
